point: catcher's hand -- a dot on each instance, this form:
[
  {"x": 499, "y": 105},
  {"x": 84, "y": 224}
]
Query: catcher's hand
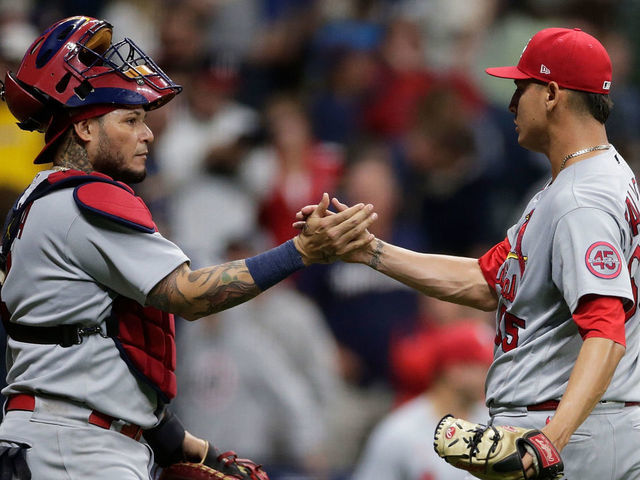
[
  {"x": 215, "y": 465},
  {"x": 490, "y": 452}
]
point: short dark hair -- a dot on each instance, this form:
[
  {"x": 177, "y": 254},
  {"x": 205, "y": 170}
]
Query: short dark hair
[{"x": 599, "y": 105}]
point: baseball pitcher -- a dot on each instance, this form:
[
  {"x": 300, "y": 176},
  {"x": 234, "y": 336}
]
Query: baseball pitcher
[{"x": 564, "y": 386}]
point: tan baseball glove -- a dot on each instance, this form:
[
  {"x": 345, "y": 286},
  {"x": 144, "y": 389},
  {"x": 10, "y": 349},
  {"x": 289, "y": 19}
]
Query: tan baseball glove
[{"x": 495, "y": 453}]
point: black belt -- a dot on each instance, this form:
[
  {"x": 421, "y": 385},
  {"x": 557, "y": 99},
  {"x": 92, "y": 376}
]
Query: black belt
[{"x": 63, "y": 335}]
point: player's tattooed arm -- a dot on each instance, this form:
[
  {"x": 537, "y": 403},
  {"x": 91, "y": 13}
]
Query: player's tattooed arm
[
  {"x": 374, "y": 261},
  {"x": 193, "y": 294},
  {"x": 453, "y": 279}
]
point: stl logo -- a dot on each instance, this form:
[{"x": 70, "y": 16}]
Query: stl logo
[
  {"x": 451, "y": 431},
  {"x": 603, "y": 260}
]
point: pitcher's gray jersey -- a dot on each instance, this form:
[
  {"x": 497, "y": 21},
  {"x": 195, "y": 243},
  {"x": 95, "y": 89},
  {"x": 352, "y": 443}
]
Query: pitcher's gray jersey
[
  {"x": 576, "y": 237},
  {"x": 67, "y": 268}
]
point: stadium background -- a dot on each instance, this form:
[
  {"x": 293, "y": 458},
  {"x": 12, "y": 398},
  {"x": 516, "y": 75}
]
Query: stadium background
[{"x": 381, "y": 101}]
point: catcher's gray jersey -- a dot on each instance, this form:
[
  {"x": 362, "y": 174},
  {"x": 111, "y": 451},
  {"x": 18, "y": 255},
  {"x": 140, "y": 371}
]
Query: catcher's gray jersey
[
  {"x": 66, "y": 269},
  {"x": 578, "y": 236}
]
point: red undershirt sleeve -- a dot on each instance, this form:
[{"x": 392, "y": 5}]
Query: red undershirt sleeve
[
  {"x": 602, "y": 317},
  {"x": 491, "y": 261}
]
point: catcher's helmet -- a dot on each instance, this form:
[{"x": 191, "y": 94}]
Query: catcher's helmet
[{"x": 74, "y": 64}]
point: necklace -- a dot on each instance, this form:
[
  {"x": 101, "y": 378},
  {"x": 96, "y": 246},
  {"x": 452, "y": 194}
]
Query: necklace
[{"x": 582, "y": 152}]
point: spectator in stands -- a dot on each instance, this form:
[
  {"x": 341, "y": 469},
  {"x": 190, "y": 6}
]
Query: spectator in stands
[
  {"x": 266, "y": 368},
  {"x": 447, "y": 187},
  {"x": 365, "y": 310},
  {"x": 401, "y": 446},
  {"x": 342, "y": 74},
  {"x": 198, "y": 156},
  {"x": 292, "y": 169}
]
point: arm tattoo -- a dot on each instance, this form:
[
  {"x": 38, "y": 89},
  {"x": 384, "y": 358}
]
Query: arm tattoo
[
  {"x": 225, "y": 286},
  {"x": 199, "y": 293},
  {"x": 375, "y": 257},
  {"x": 166, "y": 292}
]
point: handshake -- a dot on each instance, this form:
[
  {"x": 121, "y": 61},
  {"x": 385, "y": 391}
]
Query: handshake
[{"x": 327, "y": 236}]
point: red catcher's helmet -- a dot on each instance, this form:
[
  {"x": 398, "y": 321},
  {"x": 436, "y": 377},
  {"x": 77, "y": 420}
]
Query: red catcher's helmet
[{"x": 73, "y": 64}]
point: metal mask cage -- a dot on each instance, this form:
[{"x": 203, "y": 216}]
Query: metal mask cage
[{"x": 125, "y": 58}]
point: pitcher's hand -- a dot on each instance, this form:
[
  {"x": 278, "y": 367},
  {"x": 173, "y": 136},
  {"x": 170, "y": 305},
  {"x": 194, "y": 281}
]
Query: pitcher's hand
[{"x": 325, "y": 235}]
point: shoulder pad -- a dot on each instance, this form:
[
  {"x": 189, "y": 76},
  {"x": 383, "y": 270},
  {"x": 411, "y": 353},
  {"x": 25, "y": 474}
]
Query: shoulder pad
[{"x": 115, "y": 202}]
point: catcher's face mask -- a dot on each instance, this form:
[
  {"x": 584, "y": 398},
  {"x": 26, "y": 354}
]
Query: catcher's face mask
[{"x": 74, "y": 64}]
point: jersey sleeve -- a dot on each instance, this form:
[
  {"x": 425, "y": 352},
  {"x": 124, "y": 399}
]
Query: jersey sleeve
[
  {"x": 491, "y": 261},
  {"x": 587, "y": 257},
  {"x": 601, "y": 317},
  {"x": 122, "y": 259}
]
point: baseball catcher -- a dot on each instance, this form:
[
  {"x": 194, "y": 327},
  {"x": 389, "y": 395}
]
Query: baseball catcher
[
  {"x": 92, "y": 354},
  {"x": 496, "y": 452}
]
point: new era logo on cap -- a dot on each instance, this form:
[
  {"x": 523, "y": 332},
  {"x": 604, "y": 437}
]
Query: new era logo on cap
[{"x": 572, "y": 58}]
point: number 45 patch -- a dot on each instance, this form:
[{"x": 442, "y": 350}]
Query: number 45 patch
[{"x": 603, "y": 260}]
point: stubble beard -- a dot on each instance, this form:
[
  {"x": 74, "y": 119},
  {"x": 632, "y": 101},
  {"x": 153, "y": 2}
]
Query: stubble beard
[{"x": 112, "y": 162}]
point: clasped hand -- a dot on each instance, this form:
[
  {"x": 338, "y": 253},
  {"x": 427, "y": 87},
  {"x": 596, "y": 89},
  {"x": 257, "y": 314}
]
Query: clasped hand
[{"x": 326, "y": 236}]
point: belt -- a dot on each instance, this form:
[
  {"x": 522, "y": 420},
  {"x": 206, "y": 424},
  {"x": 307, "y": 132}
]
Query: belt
[
  {"x": 553, "y": 405},
  {"x": 24, "y": 401}
]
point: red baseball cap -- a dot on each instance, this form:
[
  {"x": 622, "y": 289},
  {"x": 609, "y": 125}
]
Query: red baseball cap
[
  {"x": 570, "y": 57},
  {"x": 464, "y": 342}
]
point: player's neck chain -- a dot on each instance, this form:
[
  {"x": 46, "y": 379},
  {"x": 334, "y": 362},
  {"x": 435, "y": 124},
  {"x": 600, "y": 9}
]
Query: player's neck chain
[{"x": 582, "y": 152}]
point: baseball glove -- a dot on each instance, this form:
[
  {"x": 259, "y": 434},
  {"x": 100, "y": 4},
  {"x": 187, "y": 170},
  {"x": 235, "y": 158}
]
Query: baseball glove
[
  {"x": 224, "y": 466},
  {"x": 495, "y": 452}
]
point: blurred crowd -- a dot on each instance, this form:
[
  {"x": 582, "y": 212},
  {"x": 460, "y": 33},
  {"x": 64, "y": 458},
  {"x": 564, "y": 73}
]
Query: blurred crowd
[{"x": 378, "y": 101}]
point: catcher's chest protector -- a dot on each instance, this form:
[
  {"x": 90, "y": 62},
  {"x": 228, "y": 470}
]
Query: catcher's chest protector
[{"x": 144, "y": 336}]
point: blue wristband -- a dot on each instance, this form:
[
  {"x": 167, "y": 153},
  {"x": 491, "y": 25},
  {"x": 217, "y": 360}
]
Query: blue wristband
[{"x": 270, "y": 267}]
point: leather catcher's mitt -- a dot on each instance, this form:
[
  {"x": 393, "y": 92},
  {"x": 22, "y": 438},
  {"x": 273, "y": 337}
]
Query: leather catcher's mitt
[
  {"x": 225, "y": 466},
  {"x": 495, "y": 452}
]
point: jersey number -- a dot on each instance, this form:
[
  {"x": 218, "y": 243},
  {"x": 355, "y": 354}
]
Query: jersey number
[
  {"x": 604, "y": 260},
  {"x": 634, "y": 286},
  {"x": 512, "y": 326}
]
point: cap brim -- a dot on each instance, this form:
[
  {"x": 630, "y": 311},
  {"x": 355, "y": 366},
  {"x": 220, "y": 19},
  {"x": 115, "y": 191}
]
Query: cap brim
[
  {"x": 46, "y": 154},
  {"x": 507, "y": 72}
]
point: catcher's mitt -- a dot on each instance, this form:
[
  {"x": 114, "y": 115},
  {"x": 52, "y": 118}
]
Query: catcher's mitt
[
  {"x": 490, "y": 452},
  {"x": 225, "y": 466}
]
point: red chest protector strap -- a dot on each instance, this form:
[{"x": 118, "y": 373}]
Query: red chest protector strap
[{"x": 144, "y": 336}]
